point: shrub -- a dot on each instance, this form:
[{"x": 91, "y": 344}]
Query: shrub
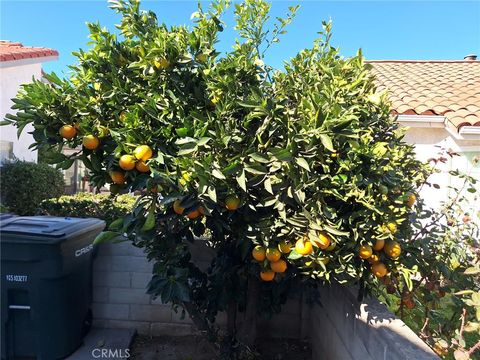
[
  {"x": 101, "y": 206},
  {"x": 25, "y": 184}
]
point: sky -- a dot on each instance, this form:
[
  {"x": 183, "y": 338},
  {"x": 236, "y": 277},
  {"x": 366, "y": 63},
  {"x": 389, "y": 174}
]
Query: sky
[{"x": 444, "y": 30}]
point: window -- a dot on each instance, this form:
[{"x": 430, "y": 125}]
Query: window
[{"x": 6, "y": 150}]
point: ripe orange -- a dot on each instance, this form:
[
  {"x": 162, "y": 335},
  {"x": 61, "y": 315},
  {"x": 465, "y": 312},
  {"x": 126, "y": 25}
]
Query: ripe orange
[
  {"x": 267, "y": 275},
  {"x": 142, "y": 167},
  {"x": 68, "y": 132},
  {"x": 258, "y": 253},
  {"x": 118, "y": 177},
  {"x": 303, "y": 246},
  {"x": 365, "y": 251},
  {"x": 411, "y": 200},
  {"x": 232, "y": 202},
  {"x": 193, "y": 214},
  {"x": 143, "y": 152},
  {"x": 127, "y": 162},
  {"x": 273, "y": 254},
  {"x": 373, "y": 259},
  {"x": 379, "y": 244},
  {"x": 284, "y": 247},
  {"x": 392, "y": 249},
  {"x": 379, "y": 269},
  {"x": 90, "y": 142},
  {"x": 177, "y": 208},
  {"x": 279, "y": 266},
  {"x": 323, "y": 241}
]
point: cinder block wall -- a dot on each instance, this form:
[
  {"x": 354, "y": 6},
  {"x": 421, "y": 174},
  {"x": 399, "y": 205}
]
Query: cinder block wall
[
  {"x": 346, "y": 329},
  {"x": 121, "y": 273},
  {"x": 341, "y": 329}
]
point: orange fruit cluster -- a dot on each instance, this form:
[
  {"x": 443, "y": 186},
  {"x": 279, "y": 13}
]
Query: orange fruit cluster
[
  {"x": 391, "y": 248},
  {"x": 275, "y": 263},
  {"x": 68, "y": 132}
]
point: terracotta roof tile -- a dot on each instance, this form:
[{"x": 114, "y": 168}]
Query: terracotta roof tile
[
  {"x": 449, "y": 88},
  {"x": 10, "y": 51}
]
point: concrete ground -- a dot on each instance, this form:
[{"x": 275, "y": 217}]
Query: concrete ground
[{"x": 105, "y": 343}]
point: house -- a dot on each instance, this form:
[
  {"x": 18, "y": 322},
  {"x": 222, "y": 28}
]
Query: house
[
  {"x": 18, "y": 65},
  {"x": 439, "y": 102}
]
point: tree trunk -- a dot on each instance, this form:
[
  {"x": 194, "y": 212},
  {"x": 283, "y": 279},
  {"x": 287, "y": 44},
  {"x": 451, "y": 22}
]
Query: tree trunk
[
  {"x": 247, "y": 332},
  {"x": 204, "y": 326}
]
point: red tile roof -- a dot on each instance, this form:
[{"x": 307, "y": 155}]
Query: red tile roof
[
  {"x": 448, "y": 88},
  {"x": 11, "y": 51}
]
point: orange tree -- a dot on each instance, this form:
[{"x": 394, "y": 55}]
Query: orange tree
[{"x": 294, "y": 175}]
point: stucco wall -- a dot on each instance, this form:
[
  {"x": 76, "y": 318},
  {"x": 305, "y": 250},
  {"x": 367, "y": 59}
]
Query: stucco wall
[
  {"x": 10, "y": 80},
  {"x": 428, "y": 142}
]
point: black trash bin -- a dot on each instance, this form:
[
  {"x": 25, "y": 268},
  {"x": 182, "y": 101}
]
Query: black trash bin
[{"x": 46, "y": 268}]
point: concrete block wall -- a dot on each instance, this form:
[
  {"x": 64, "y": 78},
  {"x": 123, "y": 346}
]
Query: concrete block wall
[
  {"x": 343, "y": 328},
  {"x": 121, "y": 273}
]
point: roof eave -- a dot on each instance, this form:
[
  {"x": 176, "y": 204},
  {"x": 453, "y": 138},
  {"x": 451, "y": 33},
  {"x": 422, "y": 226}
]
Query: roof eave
[
  {"x": 439, "y": 121},
  {"x": 27, "y": 61}
]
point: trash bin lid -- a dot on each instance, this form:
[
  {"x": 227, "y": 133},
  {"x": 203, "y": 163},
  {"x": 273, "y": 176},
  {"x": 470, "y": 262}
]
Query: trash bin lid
[
  {"x": 4, "y": 216},
  {"x": 46, "y": 229}
]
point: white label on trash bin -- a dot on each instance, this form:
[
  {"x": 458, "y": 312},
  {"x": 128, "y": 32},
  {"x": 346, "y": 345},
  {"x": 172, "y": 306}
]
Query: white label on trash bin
[
  {"x": 17, "y": 278},
  {"x": 84, "y": 250}
]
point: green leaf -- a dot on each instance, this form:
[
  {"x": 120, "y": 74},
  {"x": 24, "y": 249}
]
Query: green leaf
[
  {"x": 218, "y": 174},
  {"x": 256, "y": 169},
  {"x": 335, "y": 231},
  {"x": 212, "y": 193},
  {"x": 472, "y": 270},
  {"x": 294, "y": 255},
  {"x": 242, "y": 181},
  {"x": 105, "y": 236},
  {"x": 327, "y": 142},
  {"x": 192, "y": 147},
  {"x": 302, "y": 163},
  {"x": 203, "y": 141},
  {"x": 149, "y": 221},
  {"x": 182, "y": 131},
  {"x": 116, "y": 225},
  {"x": 259, "y": 158},
  {"x": 268, "y": 185}
]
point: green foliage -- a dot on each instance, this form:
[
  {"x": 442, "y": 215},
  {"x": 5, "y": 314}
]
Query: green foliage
[
  {"x": 308, "y": 150},
  {"x": 25, "y": 184},
  {"x": 101, "y": 206},
  {"x": 442, "y": 305}
]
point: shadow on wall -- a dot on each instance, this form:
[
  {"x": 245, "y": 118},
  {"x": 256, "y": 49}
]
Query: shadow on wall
[{"x": 345, "y": 329}]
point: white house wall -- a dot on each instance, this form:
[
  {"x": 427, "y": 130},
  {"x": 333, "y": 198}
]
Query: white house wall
[
  {"x": 427, "y": 145},
  {"x": 11, "y": 78}
]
